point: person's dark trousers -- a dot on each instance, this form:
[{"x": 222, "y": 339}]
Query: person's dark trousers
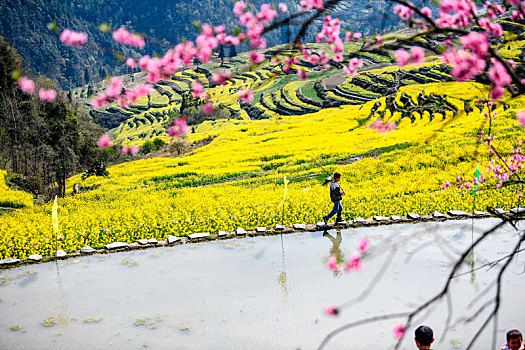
[{"x": 338, "y": 208}]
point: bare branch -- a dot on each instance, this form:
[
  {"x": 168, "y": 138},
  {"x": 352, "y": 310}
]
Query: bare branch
[{"x": 333, "y": 333}]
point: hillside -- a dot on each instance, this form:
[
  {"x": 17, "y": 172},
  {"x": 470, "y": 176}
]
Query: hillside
[
  {"x": 232, "y": 172},
  {"x": 164, "y": 23},
  {"x": 278, "y": 93}
]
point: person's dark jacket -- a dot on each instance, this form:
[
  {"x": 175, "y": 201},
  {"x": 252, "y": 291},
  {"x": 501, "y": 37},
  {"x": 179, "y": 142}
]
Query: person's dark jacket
[{"x": 335, "y": 192}]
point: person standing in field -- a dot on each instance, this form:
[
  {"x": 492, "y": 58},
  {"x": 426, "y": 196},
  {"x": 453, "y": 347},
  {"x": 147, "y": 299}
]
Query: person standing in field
[{"x": 336, "y": 195}]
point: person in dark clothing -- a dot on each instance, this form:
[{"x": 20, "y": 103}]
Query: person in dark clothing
[
  {"x": 424, "y": 337},
  {"x": 336, "y": 194}
]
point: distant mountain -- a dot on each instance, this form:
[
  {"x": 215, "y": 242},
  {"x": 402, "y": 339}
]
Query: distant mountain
[{"x": 24, "y": 23}]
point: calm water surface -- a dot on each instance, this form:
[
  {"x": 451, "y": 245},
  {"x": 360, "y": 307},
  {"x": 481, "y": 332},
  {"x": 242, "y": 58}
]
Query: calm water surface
[{"x": 258, "y": 293}]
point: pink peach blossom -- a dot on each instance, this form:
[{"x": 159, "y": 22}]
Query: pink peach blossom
[
  {"x": 399, "y": 331},
  {"x": 266, "y": 14},
  {"x": 72, "y": 38},
  {"x": 208, "y": 108},
  {"x": 114, "y": 88},
  {"x": 256, "y": 57},
  {"x": 104, "y": 141},
  {"x": 26, "y": 85},
  {"x": 520, "y": 116},
  {"x": 238, "y": 8},
  {"x": 404, "y": 12},
  {"x": 197, "y": 89},
  {"x": 477, "y": 43},
  {"x": 496, "y": 92},
  {"x": 179, "y": 127},
  {"x": 130, "y": 62},
  {"x": 364, "y": 243},
  {"x": 498, "y": 74},
  {"x": 302, "y": 74},
  {"x": 332, "y": 263},
  {"x": 47, "y": 95},
  {"x": 100, "y": 100},
  {"x": 122, "y": 36},
  {"x": 402, "y": 57},
  {"x": 134, "y": 150},
  {"x": 331, "y": 310},
  {"x": 245, "y": 95},
  {"x": 354, "y": 263},
  {"x": 426, "y": 11},
  {"x": 418, "y": 54},
  {"x": 465, "y": 64}
]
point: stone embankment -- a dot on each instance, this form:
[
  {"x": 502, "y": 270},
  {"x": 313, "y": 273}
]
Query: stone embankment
[{"x": 260, "y": 231}]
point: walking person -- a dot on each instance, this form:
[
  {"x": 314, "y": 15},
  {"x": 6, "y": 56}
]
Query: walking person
[{"x": 336, "y": 194}]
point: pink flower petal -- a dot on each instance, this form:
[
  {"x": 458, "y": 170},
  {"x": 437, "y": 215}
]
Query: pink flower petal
[
  {"x": 122, "y": 36},
  {"x": 72, "y": 38},
  {"x": 354, "y": 263},
  {"x": 364, "y": 243},
  {"x": 245, "y": 95},
  {"x": 399, "y": 331},
  {"x": 47, "y": 95},
  {"x": 178, "y": 128},
  {"x": 402, "y": 57},
  {"x": 208, "y": 108},
  {"x": 520, "y": 116},
  {"x": 104, "y": 141},
  {"x": 331, "y": 310},
  {"x": 26, "y": 85},
  {"x": 332, "y": 263}
]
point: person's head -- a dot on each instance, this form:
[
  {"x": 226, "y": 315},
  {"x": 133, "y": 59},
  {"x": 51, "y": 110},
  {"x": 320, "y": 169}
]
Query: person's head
[
  {"x": 337, "y": 177},
  {"x": 514, "y": 339},
  {"x": 424, "y": 337}
]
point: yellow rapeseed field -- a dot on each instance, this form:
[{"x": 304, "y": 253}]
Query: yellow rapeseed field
[
  {"x": 237, "y": 179},
  {"x": 13, "y": 199}
]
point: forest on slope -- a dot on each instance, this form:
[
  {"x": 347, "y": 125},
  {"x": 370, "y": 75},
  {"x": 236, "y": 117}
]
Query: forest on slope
[
  {"x": 164, "y": 23},
  {"x": 41, "y": 144}
]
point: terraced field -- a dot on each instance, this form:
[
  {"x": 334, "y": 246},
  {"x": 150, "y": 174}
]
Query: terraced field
[{"x": 280, "y": 94}]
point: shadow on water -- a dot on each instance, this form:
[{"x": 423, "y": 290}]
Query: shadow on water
[
  {"x": 336, "y": 248},
  {"x": 282, "y": 278},
  {"x": 62, "y": 300}
]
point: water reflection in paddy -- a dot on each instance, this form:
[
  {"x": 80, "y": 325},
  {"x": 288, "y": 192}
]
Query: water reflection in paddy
[{"x": 252, "y": 293}]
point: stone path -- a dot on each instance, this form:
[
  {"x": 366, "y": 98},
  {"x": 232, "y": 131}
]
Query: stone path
[{"x": 260, "y": 231}]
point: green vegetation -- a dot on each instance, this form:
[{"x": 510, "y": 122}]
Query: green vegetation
[{"x": 42, "y": 144}]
